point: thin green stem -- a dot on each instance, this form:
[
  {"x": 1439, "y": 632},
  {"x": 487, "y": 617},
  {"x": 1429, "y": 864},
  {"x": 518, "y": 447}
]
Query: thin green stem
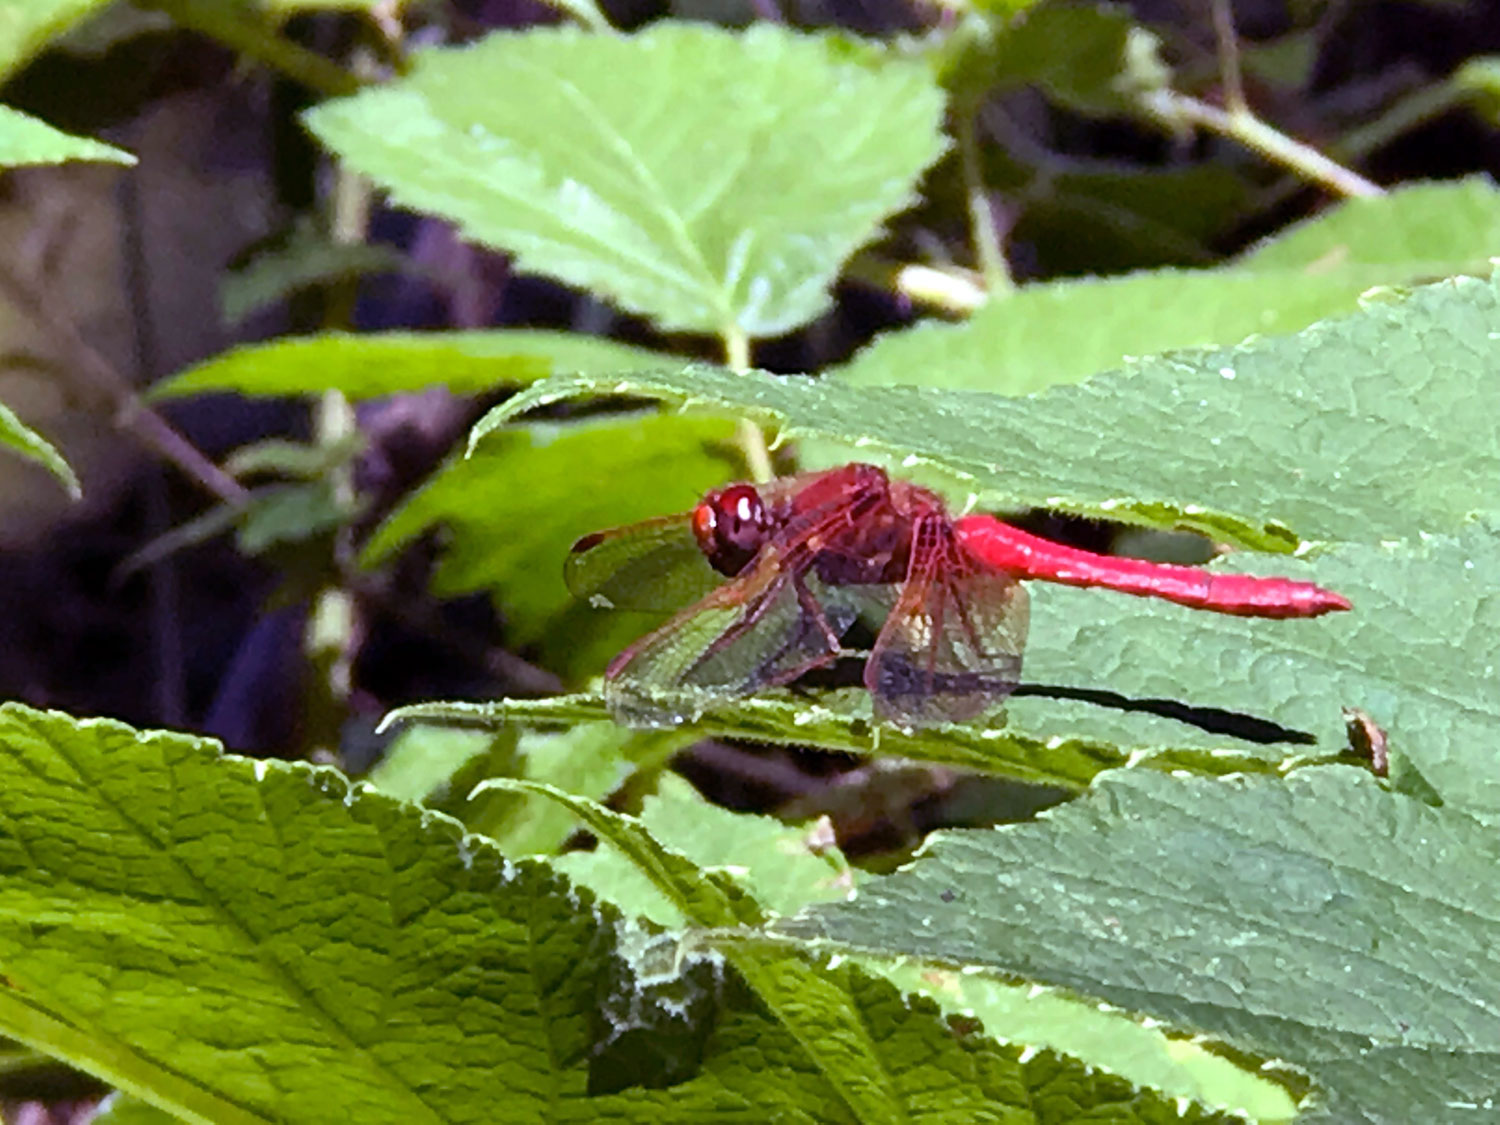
[
  {"x": 752, "y": 437},
  {"x": 1172, "y": 108},
  {"x": 992, "y": 264}
]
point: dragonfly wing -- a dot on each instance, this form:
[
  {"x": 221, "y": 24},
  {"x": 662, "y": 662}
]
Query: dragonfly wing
[
  {"x": 656, "y": 565},
  {"x": 763, "y": 630},
  {"x": 951, "y": 646}
]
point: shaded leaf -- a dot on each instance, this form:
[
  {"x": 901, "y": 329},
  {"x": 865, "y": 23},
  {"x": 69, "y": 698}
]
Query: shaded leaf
[
  {"x": 842, "y": 721},
  {"x": 26, "y": 26},
  {"x": 579, "y": 154},
  {"x": 1076, "y": 52},
  {"x": 370, "y": 365},
  {"x": 874, "y": 1048},
  {"x": 1319, "y": 920},
  {"x": 1064, "y": 331},
  {"x": 1418, "y": 655},
  {"x": 513, "y": 511},
  {"x": 304, "y": 260},
  {"x": 776, "y": 862}
]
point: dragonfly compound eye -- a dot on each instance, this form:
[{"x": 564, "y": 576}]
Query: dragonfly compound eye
[{"x": 730, "y": 526}]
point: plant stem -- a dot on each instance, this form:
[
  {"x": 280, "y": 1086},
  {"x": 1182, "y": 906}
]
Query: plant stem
[
  {"x": 1172, "y": 107},
  {"x": 951, "y": 290},
  {"x": 131, "y": 413},
  {"x": 335, "y": 626},
  {"x": 1229, "y": 58},
  {"x": 752, "y": 438},
  {"x": 587, "y": 13},
  {"x": 992, "y": 264}
]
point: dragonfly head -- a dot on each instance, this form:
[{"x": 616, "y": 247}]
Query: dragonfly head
[{"x": 731, "y": 524}]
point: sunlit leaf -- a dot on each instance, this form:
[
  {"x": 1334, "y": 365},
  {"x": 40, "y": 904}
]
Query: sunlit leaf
[
  {"x": 370, "y": 365},
  {"x": 26, "y": 140},
  {"x": 1061, "y": 332},
  {"x": 583, "y": 155}
]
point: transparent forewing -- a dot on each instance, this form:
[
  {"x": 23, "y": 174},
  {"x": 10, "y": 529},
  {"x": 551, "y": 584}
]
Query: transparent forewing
[
  {"x": 767, "y": 630},
  {"x": 951, "y": 647},
  {"x": 654, "y": 565}
]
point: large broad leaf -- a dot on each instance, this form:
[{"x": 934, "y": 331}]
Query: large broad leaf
[
  {"x": 20, "y": 438},
  {"x": 1064, "y": 331},
  {"x": 1418, "y": 655},
  {"x": 1361, "y": 429},
  {"x": 26, "y": 140},
  {"x": 513, "y": 511},
  {"x": 786, "y": 870},
  {"x": 667, "y": 170},
  {"x": 240, "y": 941},
  {"x": 845, "y": 1021},
  {"x": 1319, "y": 920},
  {"x": 387, "y": 363}
]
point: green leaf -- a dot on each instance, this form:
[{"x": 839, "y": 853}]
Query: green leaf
[
  {"x": 1418, "y": 655},
  {"x": 1100, "y": 218},
  {"x": 121, "y": 1110},
  {"x": 290, "y": 513},
  {"x": 1319, "y": 431},
  {"x": 381, "y": 965},
  {"x": 26, "y": 26},
  {"x": 1318, "y": 920},
  {"x": 842, "y": 721},
  {"x": 441, "y": 766},
  {"x": 513, "y": 511},
  {"x": 26, "y": 140},
  {"x": 1112, "y": 1040},
  {"x": 585, "y": 157},
  {"x": 372, "y": 365},
  {"x": 165, "y": 907},
  {"x": 1065, "y": 331},
  {"x": 775, "y": 862},
  {"x": 304, "y": 258},
  {"x": 871, "y": 1046},
  {"x": 420, "y": 760},
  {"x": 1077, "y": 53},
  {"x": 18, "y": 437},
  {"x": 591, "y": 760}
]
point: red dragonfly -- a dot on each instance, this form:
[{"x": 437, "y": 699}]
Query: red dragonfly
[{"x": 778, "y": 573}]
